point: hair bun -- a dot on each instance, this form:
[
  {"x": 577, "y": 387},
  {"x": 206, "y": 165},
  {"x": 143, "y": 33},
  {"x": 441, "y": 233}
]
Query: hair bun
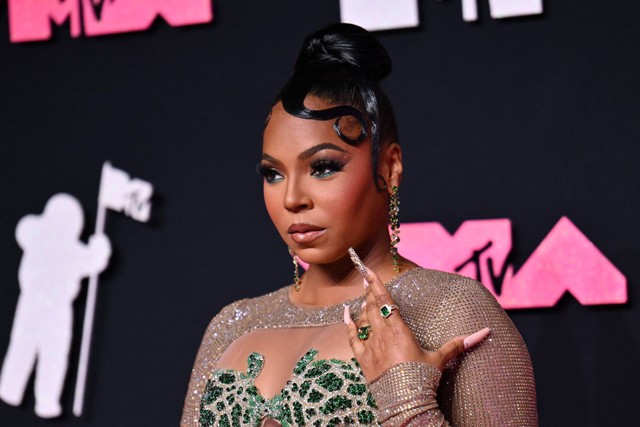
[{"x": 345, "y": 44}]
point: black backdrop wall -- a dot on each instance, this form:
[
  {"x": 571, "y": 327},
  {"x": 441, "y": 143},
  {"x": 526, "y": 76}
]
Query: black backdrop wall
[{"x": 528, "y": 119}]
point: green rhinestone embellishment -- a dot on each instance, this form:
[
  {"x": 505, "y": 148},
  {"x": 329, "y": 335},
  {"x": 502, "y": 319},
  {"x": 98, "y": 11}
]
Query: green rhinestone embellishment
[
  {"x": 365, "y": 417},
  {"x": 320, "y": 393},
  {"x": 206, "y": 418},
  {"x": 224, "y": 421},
  {"x": 235, "y": 415},
  {"x": 304, "y": 362},
  {"x": 334, "y": 422},
  {"x": 319, "y": 368},
  {"x": 255, "y": 363},
  {"x": 356, "y": 389},
  {"x": 371, "y": 401},
  {"x": 227, "y": 378},
  {"x": 298, "y": 415},
  {"x": 334, "y": 404},
  {"x": 315, "y": 396},
  {"x": 304, "y": 388},
  {"x": 330, "y": 382},
  {"x": 350, "y": 376}
]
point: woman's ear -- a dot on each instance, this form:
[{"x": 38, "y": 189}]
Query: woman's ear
[{"x": 392, "y": 164}]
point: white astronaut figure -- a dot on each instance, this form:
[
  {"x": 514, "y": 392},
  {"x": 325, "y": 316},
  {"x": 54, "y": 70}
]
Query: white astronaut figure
[{"x": 52, "y": 267}]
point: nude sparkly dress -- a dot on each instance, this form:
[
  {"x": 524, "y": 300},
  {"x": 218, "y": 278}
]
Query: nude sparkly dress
[{"x": 489, "y": 385}]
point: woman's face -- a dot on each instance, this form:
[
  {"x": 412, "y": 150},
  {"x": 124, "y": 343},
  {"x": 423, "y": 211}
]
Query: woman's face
[{"x": 318, "y": 190}]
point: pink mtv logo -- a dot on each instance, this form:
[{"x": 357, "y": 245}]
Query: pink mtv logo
[
  {"x": 565, "y": 261},
  {"x": 30, "y": 20}
]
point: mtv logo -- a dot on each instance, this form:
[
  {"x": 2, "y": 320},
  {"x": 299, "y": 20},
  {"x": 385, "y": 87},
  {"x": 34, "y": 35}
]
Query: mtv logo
[
  {"x": 375, "y": 15},
  {"x": 30, "y": 20},
  {"x": 502, "y": 8}
]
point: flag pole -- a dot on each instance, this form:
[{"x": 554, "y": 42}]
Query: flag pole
[{"x": 87, "y": 325}]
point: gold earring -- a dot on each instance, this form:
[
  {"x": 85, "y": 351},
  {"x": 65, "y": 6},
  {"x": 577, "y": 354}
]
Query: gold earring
[
  {"x": 296, "y": 272},
  {"x": 394, "y": 208}
]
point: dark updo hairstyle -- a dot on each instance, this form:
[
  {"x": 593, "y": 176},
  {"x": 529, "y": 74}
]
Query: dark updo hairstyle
[{"x": 344, "y": 64}]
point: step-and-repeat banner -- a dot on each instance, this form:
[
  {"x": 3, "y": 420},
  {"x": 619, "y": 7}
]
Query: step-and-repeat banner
[{"x": 131, "y": 214}]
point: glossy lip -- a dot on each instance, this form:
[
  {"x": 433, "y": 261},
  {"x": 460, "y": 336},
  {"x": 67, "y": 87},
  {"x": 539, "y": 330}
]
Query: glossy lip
[{"x": 305, "y": 233}]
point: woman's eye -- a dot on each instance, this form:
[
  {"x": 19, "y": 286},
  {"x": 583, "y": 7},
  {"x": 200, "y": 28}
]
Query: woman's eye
[
  {"x": 325, "y": 168},
  {"x": 269, "y": 174}
]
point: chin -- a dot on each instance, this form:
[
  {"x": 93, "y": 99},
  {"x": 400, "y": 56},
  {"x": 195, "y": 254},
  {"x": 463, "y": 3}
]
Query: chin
[{"x": 311, "y": 255}]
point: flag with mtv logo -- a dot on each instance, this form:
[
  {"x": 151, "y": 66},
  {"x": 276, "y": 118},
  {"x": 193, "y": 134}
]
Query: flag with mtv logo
[{"x": 120, "y": 193}]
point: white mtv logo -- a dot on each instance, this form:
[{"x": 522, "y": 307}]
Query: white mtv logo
[
  {"x": 377, "y": 15},
  {"x": 502, "y": 8}
]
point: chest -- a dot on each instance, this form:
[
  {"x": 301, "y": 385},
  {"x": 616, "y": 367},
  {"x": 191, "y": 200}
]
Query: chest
[
  {"x": 320, "y": 392},
  {"x": 282, "y": 349}
]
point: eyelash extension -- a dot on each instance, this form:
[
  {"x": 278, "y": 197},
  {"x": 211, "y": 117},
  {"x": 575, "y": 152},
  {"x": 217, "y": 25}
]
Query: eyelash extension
[
  {"x": 268, "y": 173},
  {"x": 326, "y": 167}
]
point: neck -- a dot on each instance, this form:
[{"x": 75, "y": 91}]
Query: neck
[{"x": 339, "y": 281}]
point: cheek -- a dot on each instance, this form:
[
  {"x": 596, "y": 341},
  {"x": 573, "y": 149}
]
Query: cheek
[
  {"x": 356, "y": 198},
  {"x": 349, "y": 200},
  {"x": 273, "y": 204}
]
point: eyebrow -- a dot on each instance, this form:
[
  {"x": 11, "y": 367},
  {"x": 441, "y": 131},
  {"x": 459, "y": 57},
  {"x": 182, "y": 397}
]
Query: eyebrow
[
  {"x": 324, "y": 146},
  {"x": 268, "y": 158},
  {"x": 308, "y": 152}
]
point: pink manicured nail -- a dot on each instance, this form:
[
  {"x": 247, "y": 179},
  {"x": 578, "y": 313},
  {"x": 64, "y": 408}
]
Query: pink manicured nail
[
  {"x": 364, "y": 304},
  {"x": 347, "y": 315},
  {"x": 475, "y": 338},
  {"x": 366, "y": 284}
]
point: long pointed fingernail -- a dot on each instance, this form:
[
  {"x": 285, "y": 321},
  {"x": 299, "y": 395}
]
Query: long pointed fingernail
[
  {"x": 476, "y": 337},
  {"x": 365, "y": 283},
  {"x": 347, "y": 315},
  {"x": 357, "y": 262}
]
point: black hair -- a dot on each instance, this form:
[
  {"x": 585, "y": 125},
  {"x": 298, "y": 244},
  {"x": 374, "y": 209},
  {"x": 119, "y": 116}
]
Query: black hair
[{"x": 344, "y": 65}]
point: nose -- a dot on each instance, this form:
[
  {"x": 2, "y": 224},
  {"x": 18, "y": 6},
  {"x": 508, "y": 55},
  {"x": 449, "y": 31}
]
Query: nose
[{"x": 296, "y": 197}]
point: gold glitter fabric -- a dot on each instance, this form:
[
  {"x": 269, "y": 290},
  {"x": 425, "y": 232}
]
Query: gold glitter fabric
[
  {"x": 491, "y": 384},
  {"x": 406, "y": 396}
]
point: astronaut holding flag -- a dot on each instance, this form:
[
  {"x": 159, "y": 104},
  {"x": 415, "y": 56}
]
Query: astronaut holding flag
[{"x": 53, "y": 264}]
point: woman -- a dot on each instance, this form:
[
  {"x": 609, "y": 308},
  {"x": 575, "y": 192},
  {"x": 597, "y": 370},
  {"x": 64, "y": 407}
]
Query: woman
[{"x": 332, "y": 167}]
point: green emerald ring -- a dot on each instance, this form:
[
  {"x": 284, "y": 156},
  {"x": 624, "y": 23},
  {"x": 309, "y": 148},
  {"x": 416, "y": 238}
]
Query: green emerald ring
[
  {"x": 386, "y": 310},
  {"x": 363, "y": 332}
]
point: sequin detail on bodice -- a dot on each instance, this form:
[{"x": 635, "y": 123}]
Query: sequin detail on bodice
[
  {"x": 320, "y": 393},
  {"x": 491, "y": 385}
]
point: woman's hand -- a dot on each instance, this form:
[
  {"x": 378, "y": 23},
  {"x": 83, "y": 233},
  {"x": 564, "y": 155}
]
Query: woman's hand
[{"x": 389, "y": 341}]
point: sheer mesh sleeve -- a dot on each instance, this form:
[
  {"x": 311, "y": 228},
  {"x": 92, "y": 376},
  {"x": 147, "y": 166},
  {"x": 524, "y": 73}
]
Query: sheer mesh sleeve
[
  {"x": 406, "y": 395},
  {"x": 491, "y": 384}
]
